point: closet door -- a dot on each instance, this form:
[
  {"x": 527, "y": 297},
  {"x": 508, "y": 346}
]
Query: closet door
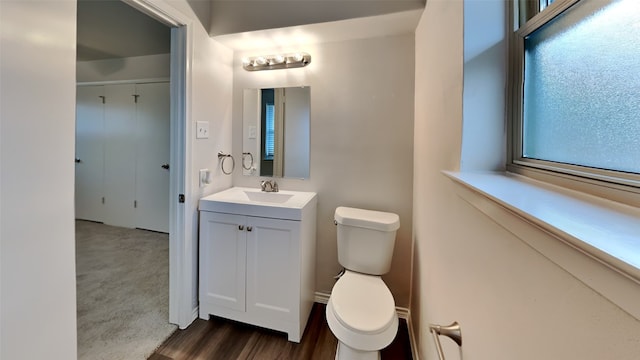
[
  {"x": 152, "y": 157},
  {"x": 89, "y": 152},
  {"x": 120, "y": 148}
]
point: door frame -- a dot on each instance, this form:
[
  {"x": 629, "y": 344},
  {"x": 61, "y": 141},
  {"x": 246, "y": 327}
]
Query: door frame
[{"x": 181, "y": 243}]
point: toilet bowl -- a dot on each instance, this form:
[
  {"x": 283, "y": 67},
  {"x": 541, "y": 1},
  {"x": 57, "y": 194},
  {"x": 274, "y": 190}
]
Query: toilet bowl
[
  {"x": 361, "y": 310},
  {"x": 361, "y": 313}
]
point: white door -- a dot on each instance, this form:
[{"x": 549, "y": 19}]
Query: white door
[
  {"x": 272, "y": 268},
  {"x": 120, "y": 146},
  {"x": 89, "y": 152},
  {"x": 223, "y": 248},
  {"x": 152, "y": 157}
]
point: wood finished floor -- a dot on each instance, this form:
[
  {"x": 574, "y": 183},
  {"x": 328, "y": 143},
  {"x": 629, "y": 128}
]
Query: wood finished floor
[{"x": 224, "y": 339}]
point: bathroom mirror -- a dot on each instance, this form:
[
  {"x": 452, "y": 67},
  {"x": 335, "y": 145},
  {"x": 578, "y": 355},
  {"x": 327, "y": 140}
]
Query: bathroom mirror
[{"x": 275, "y": 135}]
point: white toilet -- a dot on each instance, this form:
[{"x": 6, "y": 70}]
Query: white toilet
[{"x": 361, "y": 311}]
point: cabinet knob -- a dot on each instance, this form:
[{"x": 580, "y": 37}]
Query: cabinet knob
[
  {"x": 240, "y": 227},
  {"x": 249, "y": 228}
]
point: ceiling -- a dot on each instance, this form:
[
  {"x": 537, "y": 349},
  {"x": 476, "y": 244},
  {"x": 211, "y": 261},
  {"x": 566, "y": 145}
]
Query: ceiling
[
  {"x": 296, "y": 37},
  {"x": 237, "y": 16},
  {"x": 113, "y": 29}
]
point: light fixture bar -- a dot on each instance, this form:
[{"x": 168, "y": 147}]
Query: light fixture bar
[{"x": 274, "y": 62}]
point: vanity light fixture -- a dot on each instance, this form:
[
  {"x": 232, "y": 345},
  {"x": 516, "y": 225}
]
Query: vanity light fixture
[{"x": 273, "y": 62}]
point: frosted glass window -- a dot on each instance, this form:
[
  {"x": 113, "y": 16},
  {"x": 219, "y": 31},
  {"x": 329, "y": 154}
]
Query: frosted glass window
[{"x": 582, "y": 87}]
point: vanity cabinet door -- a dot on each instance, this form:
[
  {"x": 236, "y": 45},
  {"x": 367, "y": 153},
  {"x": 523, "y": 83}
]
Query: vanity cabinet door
[
  {"x": 223, "y": 249},
  {"x": 273, "y": 270}
]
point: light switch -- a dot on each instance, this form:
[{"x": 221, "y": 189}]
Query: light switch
[
  {"x": 202, "y": 129},
  {"x": 252, "y": 132}
]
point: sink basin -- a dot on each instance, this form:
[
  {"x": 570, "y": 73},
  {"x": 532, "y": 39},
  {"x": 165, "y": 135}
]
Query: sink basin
[
  {"x": 254, "y": 202},
  {"x": 270, "y": 197}
]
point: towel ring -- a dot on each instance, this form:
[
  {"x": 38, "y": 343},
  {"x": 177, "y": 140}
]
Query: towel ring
[
  {"x": 224, "y": 157},
  {"x": 244, "y": 156}
]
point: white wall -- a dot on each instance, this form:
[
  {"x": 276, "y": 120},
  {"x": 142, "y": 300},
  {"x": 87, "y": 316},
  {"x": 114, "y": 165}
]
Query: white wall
[
  {"x": 37, "y": 127},
  {"x": 437, "y": 143},
  {"x": 484, "y": 130},
  {"x": 212, "y": 79},
  {"x": 361, "y": 138},
  {"x": 511, "y": 302},
  {"x": 37, "y": 112},
  {"x": 130, "y": 68}
]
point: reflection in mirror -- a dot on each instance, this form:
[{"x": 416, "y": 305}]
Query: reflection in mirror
[{"x": 275, "y": 135}]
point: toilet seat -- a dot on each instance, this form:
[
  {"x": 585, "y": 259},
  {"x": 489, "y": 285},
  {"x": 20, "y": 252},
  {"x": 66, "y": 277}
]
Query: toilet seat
[
  {"x": 363, "y": 303},
  {"x": 361, "y": 312}
]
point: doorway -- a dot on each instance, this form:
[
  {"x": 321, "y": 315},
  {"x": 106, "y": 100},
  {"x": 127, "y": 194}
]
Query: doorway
[{"x": 179, "y": 308}]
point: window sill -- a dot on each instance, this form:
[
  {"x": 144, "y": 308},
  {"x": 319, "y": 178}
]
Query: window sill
[{"x": 595, "y": 240}]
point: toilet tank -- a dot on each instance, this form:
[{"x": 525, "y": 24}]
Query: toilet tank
[{"x": 366, "y": 239}]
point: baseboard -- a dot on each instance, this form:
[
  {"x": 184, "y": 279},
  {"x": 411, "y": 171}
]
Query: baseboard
[
  {"x": 403, "y": 313},
  {"x": 412, "y": 340},
  {"x": 322, "y": 298}
]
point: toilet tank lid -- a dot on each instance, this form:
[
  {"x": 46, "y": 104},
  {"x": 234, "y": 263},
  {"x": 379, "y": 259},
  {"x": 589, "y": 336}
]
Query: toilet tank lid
[{"x": 369, "y": 219}]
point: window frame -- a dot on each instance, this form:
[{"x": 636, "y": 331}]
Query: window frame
[{"x": 614, "y": 185}]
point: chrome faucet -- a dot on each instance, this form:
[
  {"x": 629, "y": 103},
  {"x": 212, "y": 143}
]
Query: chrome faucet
[{"x": 268, "y": 186}]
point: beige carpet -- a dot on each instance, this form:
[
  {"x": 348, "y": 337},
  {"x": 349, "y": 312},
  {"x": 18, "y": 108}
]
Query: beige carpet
[{"x": 122, "y": 290}]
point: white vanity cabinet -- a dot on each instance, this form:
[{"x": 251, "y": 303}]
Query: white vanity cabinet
[{"x": 256, "y": 269}]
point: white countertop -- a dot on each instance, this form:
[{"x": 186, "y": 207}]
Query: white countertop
[{"x": 254, "y": 202}]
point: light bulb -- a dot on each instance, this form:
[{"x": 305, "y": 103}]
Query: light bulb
[{"x": 278, "y": 59}]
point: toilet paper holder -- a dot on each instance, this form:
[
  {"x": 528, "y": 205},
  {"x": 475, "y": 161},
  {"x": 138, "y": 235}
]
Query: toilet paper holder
[{"x": 451, "y": 331}]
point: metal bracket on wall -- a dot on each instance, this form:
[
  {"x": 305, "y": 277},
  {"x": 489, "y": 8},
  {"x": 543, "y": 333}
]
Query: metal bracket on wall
[{"x": 452, "y": 331}]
